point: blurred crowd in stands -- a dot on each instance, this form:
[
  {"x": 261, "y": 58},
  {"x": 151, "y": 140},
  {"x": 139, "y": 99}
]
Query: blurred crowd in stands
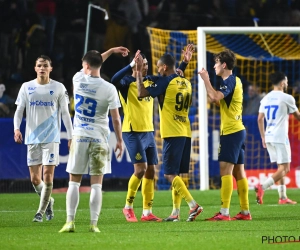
[{"x": 57, "y": 28}]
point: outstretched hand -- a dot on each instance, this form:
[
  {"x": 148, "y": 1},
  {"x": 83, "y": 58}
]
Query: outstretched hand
[
  {"x": 121, "y": 50},
  {"x": 188, "y": 53}
]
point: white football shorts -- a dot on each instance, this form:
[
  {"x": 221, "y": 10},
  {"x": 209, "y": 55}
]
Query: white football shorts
[
  {"x": 89, "y": 156},
  {"x": 279, "y": 152},
  {"x": 43, "y": 153}
]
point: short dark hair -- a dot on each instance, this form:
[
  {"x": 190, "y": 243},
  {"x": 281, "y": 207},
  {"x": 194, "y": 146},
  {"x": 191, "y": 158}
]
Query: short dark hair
[
  {"x": 227, "y": 56},
  {"x": 277, "y": 77},
  {"x": 45, "y": 58},
  {"x": 168, "y": 60},
  {"x": 93, "y": 58}
]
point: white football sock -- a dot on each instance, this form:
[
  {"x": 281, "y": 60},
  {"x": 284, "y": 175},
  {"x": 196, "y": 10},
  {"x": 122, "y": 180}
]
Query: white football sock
[
  {"x": 282, "y": 191},
  {"x": 38, "y": 188},
  {"x": 268, "y": 183},
  {"x": 72, "y": 200},
  {"x": 95, "y": 202},
  {"x": 45, "y": 197}
]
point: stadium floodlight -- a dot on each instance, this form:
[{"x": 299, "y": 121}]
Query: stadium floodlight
[{"x": 88, "y": 23}]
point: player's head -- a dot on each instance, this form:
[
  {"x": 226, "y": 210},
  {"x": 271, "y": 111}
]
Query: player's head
[
  {"x": 224, "y": 60},
  {"x": 280, "y": 80},
  {"x": 43, "y": 66},
  {"x": 166, "y": 65},
  {"x": 92, "y": 60}
]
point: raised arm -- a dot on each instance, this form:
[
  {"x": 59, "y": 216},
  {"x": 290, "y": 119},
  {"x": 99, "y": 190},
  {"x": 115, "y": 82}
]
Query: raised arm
[
  {"x": 142, "y": 91},
  {"x": 215, "y": 96},
  {"x": 116, "y": 50}
]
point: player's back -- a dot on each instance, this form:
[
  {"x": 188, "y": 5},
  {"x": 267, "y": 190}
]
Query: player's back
[
  {"x": 93, "y": 97},
  {"x": 175, "y": 108},
  {"x": 276, "y": 107}
]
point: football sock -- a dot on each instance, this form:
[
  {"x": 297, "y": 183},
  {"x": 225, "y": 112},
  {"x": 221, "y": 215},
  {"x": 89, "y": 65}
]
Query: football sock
[
  {"x": 148, "y": 195},
  {"x": 45, "y": 197},
  {"x": 72, "y": 200},
  {"x": 38, "y": 188},
  {"x": 133, "y": 186},
  {"x": 282, "y": 191},
  {"x": 176, "y": 202},
  {"x": 226, "y": 192},
  {"x": 95, "y": 203},
  {"x": 268, "y": 183},
  {"x": 181, "y": 188},
  {"x": 242, "y": 188}
]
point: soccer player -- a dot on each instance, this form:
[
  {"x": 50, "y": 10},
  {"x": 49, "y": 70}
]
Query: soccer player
[
  {"x": 137, "y": 129},
  {"x": 174, "y": 95},
  {"x": 46, "y": 103},
  {"x": 229, "y": 97},
  {"x": 275, "y": 108},
  {"x": 89, "y": 152}
]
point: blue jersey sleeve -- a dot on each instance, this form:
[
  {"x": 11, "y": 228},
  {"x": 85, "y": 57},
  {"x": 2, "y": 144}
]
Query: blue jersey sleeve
[
  {"x": 228, "y": 86},
  {"x": 117, "y": 78},
  {"x": 156, "y": 85},
  {"x": 183, "y": 66}
]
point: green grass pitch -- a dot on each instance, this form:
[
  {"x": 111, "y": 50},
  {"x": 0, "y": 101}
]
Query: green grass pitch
[{"x": 17, "y": 231}]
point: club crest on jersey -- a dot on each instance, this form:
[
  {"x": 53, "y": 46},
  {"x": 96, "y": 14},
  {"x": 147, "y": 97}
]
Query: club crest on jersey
[
  {"x": 51, "y": 92},
  {"x": 31, "y": 88}
]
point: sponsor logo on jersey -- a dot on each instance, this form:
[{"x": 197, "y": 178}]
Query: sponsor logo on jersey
[
  {"x": 51, "y": 92},
  {"x": 31, "y": 92},
  {"x": 85, "y": 119},
  {"x": 41, "y": 103},
  {"x": 223, "y": 87},
  {"x": 89, "y": 140},
  {"x": 182, "y": 84},
  {"x": 83, "y": 86},
  {"x": 138, "y": 156},
  {"x": 179, "y": 118}
]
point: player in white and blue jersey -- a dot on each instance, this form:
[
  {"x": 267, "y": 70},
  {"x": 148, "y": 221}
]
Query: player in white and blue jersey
[
  {"x": 89, "y": 154},
  {"x": 46, "y": 103},
  {"x": 275, "y": 109}
]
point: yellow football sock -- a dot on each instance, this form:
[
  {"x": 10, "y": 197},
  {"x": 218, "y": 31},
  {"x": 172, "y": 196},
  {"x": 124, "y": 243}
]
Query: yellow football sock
[
  {"x": 176, "y": 199},
  {"x": 179, "y": 186},
  {"x": 243, "y": 188},
  {"x": 133, "y": 186},
  {"x": 148, "y": 193},
  {"x": 226, "y": 190}
]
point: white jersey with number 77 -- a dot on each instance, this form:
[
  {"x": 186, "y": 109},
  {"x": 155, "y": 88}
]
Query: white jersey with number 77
[{"x": 276, "y": 107}]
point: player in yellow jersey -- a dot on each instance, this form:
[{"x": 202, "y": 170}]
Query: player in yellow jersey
[
  {"x": 174, "y": 94},
  {"x": 232, "y": 135},
  {"x": 137, "y": 129}
]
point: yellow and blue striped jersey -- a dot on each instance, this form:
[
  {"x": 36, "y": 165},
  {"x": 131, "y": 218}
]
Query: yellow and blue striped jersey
[{"x": 231, "y": 106}]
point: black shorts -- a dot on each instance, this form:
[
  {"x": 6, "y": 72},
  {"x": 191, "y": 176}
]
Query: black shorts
[{"x": 176, "y": 155}]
